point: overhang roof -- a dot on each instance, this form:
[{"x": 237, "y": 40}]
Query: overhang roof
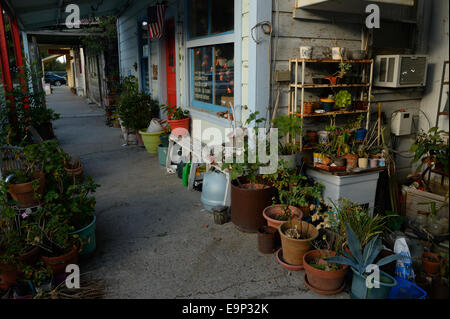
[{"x": 35, "y": 15}]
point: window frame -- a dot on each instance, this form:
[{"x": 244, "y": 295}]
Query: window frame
[{"x": 227, "y": 37}]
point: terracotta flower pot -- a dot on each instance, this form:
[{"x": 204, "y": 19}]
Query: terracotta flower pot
[
  {"x": 76, "y": 173},
  {"x": 31, "y": 257},
  {"x": 352, "y": 160},
  {"x": 308, "y": 107},
  {"x": 180, "y": 127},
  {"x": 58, "y": 264},
  {"x": 270, "y": 212},
  {"x": 24, "y": 193},
  {"x": 312, "y": 135},
  {"x": 324, "y": 282},
  {"x": 140, "y": 142},
  {"x": 294, "y": 249},
  {"x": 267, "y": 240},
  {"x": 326, "y": 161},
  {"x": 247, "y": 205},
  {"x": 8, "y": 275},
  {"x": 430, "y": 267}
]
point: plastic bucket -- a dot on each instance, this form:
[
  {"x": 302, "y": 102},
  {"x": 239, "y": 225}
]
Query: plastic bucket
[
  {"x": 162, "y": 154},
  {"x": 151, "y": 141},
  {"x": 87, "y": 237},
  {"x": 406, "y": 290}
]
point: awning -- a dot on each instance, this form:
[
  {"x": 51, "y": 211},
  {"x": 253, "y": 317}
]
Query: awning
[{"x": 34, "y": 15}]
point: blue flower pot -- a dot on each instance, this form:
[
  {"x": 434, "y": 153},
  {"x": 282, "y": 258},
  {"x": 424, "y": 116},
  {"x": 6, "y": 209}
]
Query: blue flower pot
[
  {"x": 162, "y": 154},
  {"x": 360, "y": 290},
  {"x": 360, "y": 134},
  {"x": 87, "y": 237}
]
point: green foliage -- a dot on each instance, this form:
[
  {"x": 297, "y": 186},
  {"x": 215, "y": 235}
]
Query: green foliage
[
  {"x": 29, "y": 109},
  {"x": 358, "y": 218},
  {"x": 343, "y": 99},
  {"x": 430, "y": 145},
  {"x": 136, "y": 108},
  {"x": 358, "y": 258},
  {"x": 175, "y": 113},
  {"x": 344, "y": 68},
  {"x": 288, "y": 127},
  {"x": 99, "y": 36},
  {"x": 395, "y": 222},
  {"x": 246, "y": 169},
  {"x": 38, "y": 274}
]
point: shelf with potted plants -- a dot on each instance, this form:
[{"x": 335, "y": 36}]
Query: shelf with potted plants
[{"x": 346, "y": 103}]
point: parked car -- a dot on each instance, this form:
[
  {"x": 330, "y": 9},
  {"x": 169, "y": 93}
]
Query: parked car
[{"x": 54, "y": 79}]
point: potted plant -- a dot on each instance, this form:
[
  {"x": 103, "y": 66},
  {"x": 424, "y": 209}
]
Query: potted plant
[
  {"x": 178, "y": 119},
  {"x": 321, "y": 276},
  {"x": 288, "y": 127},
  {"x": 286, "y": 210},
  {"x": 431, "y": 263},
  {"x": 337, "y": 77},
  {"x": 343, "y": 99},
  {"x": 250, "y": 190},
  {"x": 41, "y": 118},
  {"x": 74, "y": 169},
  {"x": 58, "y": 247},
  {"x": 359, "y": 259},
  {"x": 296, "y": 237},
  {"x": 430, "y": 148},
  {"x": 16, "y": 247}
]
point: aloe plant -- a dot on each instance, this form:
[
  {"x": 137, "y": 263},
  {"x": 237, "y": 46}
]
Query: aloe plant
[{"x": 359, "y": 259}]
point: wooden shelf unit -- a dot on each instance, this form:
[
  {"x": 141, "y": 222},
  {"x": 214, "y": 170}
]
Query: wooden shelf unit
[{"x": 295, "y": 86}]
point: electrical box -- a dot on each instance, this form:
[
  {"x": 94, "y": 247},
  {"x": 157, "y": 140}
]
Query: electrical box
[
  {"x": 282, "y": 76},
  {"x": 401, "y": 123},
  {"x": 398, "y": 71}
]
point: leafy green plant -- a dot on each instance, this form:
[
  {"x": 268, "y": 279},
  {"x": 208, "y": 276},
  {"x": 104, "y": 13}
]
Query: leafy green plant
[
  {"x": 344, "y": 68},
  {"x": 288, "y": 127},
  {"x": 430, "y": 147},
  {"x": 136, "y": 108},
  {"x": 175, "y": 113},
  {"x": 343, "y": 99},
  {"x": 358, "y": 258},
  {"x": 395, "y": 222},
  {"x": 246, "y": 169},
  {"x": 347, "y": 212},
  {"x": 38, "y": 274}
]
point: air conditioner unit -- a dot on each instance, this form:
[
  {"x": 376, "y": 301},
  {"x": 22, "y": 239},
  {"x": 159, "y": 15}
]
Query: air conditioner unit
[{"x": 397, "y": 71}]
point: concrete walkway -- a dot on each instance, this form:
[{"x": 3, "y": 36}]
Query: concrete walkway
[{"x": 153, "y": 238}]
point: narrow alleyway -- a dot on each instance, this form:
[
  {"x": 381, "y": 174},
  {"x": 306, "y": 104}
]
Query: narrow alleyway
[{"x": 153, "y": 238}]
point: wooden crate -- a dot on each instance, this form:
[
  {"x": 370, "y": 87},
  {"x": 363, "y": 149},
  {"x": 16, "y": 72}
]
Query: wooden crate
[{"x": 412, "y": 197}]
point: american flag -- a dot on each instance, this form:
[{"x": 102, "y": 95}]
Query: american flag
[{"x": 155, "y": 22}]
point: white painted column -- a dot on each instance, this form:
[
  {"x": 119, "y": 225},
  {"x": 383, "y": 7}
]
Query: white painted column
[{"x": 258, "y": 58}]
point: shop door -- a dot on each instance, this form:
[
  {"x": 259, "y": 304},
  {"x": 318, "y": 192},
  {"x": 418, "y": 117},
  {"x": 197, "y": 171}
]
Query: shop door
[{"x": 170, "y": 64}]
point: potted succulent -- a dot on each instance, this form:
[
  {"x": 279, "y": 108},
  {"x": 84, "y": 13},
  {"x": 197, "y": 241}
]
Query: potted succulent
[
  {"x": 321, "y": 276},
  {"x": 178, "y": 119},
  {"x": 359, "y": 259},
  {"x": 250, "y": 190}
]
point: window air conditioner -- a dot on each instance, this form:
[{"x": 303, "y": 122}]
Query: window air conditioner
[{"x": 397, "y": 71}]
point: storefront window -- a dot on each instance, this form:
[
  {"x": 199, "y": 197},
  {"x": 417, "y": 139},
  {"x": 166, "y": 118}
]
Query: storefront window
[
  {"x": 210, "y": 17},
  {"x": 213, "y": 76}
]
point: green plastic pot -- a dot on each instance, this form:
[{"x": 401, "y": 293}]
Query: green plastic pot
[
  {"x": 162, "y": 154},
  {"x": 360, "y": 291},
  {"x": 151, "y": 141},
  {"x": 87, "y": 237}
]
